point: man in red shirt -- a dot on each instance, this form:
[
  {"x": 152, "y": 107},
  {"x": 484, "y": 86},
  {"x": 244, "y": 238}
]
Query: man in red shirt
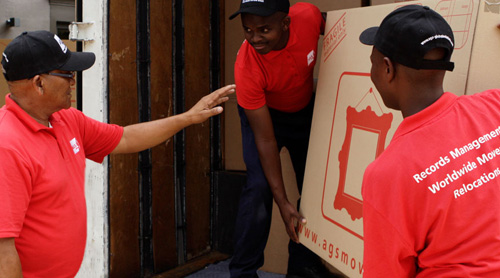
[
  {"x": 431, "y": 200},
  {"x": 43, "y": 147},
  {"x": 274, "y": 76}
]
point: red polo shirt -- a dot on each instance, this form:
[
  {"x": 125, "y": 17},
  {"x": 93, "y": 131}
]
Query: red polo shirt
[
  {"x": 42, "y": 171},
  {"x": 431, "y": 200},
  {"x": 282, "y": 79}
]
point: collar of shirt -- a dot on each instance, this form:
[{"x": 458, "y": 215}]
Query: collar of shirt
[
  {"x": 415, "y": 121},
  {"x": 24, "y": 117}
]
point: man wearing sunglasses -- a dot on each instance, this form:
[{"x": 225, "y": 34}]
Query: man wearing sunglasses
[{"x": 43, "y": 148}]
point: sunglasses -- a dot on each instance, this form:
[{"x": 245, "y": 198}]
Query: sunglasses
[{"x": 68, "y": 75}]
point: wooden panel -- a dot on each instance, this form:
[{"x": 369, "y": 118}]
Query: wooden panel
[
  {"x": 164, "y": 228},
  {"x": 197, "y": 55},
  {"x": 222, "y": 57},
  {"x": 4, "y": 88},
  {"x": 124, "y": 197}
]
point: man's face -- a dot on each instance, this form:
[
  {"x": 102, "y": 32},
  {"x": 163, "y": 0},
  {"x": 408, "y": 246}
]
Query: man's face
[
  {"x": 266, "y": 33},
  {"x": 57, "y": 89}
]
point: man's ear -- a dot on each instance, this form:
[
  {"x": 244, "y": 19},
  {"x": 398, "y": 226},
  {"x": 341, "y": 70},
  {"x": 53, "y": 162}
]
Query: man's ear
[
  {"x": 37, "y": 84},
  {"x": 286, "y": 23},
  {"x": 390, "y": 69}
]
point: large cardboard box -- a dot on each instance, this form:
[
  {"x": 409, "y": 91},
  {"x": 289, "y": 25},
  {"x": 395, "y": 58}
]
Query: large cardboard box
[{"x": 351, "y": 125}]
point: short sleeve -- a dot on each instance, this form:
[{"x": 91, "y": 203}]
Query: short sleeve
[
  {"x": 249, "y": 85},
  {"x": 99, "y": 139}
]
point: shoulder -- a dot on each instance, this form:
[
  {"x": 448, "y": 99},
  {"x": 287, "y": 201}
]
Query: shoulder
[
  {"x": 306, "y": 19},
  {"x": 15, "y": 137},
  {"x": 74, "y": 120},
  {"x": 488, "y": 98},
  {"x": 69, "y": 115},
  {"x": 3, "y": 115},
  {"x": 492, "y": 94},
  {"x": 244, "y": 54},
  {"x": 11, "y": 127},
  {"x": 303, "y": 10},
  {"x": 393, "y": 164},
  {"x": 247, "y": 60}
]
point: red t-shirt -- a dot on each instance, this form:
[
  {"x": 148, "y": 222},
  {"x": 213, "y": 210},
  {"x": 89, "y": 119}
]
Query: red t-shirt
[
  {"x": 42, "y": 171},
  {"x": 431, "y": 201},
  {"x": 282, "y": 79}
]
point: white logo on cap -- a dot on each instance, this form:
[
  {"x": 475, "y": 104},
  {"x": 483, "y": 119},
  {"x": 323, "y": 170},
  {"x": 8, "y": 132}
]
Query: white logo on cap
[
  {"x": 61, "y": 44},
  {"x": 5, "y": 56},
  {"x": 437, "y": 37},
  {"x": 246, "y": 1}
]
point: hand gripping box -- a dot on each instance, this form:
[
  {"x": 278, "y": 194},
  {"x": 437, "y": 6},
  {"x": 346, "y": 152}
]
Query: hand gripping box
[{"x": 351, "y": 126}]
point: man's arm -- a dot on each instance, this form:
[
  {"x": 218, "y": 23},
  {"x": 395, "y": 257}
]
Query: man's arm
[
  {"x": 146, "y": 135},
  {"x": 10, "y": 265},
  {"x": 262, "y": 127}
]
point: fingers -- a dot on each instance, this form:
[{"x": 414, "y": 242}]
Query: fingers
[
  {"x": 224, "y": 91},
  {"x": 207, "y": 106},
  {"x": 219, "y": 96},
  {"x": 292, "y": 227},
  {"x": 302, "y": 220},
  {"x": 228, "y": 88},
  {"x": 291, "y": 232},
  {"x": 218, "y": 101},
  {"x": 216, "y": 110}
]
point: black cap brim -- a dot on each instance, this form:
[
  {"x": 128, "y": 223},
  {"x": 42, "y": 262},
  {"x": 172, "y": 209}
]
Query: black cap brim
[
  {"x": 79, "y": 61},
  {"x": 368, "y": 36},
  {"x": 256, "y": 10}
]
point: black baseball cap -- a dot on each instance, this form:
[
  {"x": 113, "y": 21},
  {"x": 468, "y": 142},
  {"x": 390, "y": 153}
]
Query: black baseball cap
[
  {"x": 262, "y": 7},
  {"x": 408, "y": 33},
  {"x": 38, "y": 52}
]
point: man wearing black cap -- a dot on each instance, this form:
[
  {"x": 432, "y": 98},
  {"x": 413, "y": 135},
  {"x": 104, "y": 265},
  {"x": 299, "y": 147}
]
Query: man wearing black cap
[
  {"x": 431, "y": 199},
  {"x": 274, "y": 76},
  {"x": 43, "y": 147}
]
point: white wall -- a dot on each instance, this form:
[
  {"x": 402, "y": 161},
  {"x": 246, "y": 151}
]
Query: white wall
[
  {"x": 34, "y": 15},
  {"x": 61, "y": 10},
  {"x": 96, "y": 260}
]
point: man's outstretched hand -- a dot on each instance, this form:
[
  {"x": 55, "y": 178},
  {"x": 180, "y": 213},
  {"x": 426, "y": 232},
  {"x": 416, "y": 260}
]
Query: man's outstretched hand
[{"x": 207, "y": 106}]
